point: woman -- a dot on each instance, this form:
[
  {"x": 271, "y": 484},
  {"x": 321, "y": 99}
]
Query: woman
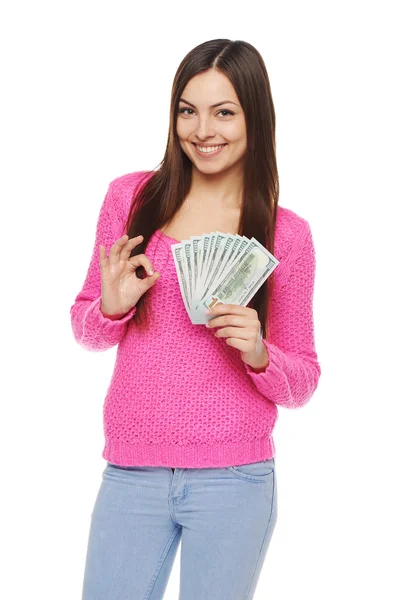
[{"x": 190, "y": 410}]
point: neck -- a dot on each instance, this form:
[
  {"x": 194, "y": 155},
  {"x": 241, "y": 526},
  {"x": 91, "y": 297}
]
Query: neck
[{"x": 219, "y": 191}]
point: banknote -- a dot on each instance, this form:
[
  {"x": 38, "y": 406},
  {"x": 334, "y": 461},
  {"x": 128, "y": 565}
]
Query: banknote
[{"x": 217, "y": 268}]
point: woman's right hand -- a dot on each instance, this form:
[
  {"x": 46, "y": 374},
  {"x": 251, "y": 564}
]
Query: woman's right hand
[{"x": 120, "y": 287}]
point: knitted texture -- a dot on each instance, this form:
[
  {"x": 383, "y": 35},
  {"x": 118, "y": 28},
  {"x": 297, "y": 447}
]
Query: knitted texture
[{"x": 179, "y": 396}]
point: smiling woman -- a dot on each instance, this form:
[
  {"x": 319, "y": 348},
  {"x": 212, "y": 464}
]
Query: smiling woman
[{"x": 210, "y": 403}]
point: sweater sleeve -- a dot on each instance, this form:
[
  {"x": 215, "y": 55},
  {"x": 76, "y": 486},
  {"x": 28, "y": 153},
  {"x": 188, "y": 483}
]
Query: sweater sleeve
[
  {"x": 293, "y": 371},
  {"x": 91, "y": 329}
]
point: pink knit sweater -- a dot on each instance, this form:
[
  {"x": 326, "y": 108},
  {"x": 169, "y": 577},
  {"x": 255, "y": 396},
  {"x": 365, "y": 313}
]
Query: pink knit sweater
[{"x": 179, "y": 396}]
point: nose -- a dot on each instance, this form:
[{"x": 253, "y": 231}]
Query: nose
[{"x": 205, "y": 128}]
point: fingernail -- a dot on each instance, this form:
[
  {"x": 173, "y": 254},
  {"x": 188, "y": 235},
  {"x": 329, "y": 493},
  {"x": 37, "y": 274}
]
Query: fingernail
[
  {"x": 208, "y": 312},
  {"x": 151, "y": 272}
]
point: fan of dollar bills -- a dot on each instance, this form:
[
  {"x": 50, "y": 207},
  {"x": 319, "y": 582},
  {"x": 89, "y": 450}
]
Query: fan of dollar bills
[{"x": 220, "y": 268}]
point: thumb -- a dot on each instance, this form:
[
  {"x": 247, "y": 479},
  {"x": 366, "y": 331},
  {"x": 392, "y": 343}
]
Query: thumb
[{"x": 150, "y": 281}]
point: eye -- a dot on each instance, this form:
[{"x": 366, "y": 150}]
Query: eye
[
  {"x": 225, "y": 110},
  {"x": 182, "y": 110}
]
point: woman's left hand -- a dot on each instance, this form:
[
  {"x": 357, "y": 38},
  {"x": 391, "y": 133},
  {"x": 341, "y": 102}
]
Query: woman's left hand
[{"x": 242, "y": 329}]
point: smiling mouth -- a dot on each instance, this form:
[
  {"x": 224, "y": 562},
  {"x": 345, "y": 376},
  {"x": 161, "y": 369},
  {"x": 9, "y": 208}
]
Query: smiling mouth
[{"x": 209, "y": 150}]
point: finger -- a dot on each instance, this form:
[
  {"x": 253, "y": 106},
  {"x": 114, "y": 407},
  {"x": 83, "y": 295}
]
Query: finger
[
  {"x": 149, "y": 281},
  {"x": 130, "y": 244},
  {"x": 224, "y": 309},
  {"x": 231, "y": 319},
  {"x": 241, "y": 333},
  {"x": 116, "y": 248},
  {"x": 103, "y": 256},
  {"x": 241, "y": 345},
  {"x": 141, "y": 260}
]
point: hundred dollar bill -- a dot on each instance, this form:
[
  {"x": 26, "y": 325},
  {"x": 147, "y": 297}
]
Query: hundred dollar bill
[
  {"x": 187, "y": 253},
  {"x": 242, "y": 279},
  {"x": 207, "y": 262},
  {"x": 205, "y": 253},
  {"x": 187, "y": 256},
  {"x": 197, "y": 242},
  {"x": 220, "y": 261},
  {"x": 239, "y": 246},
  {"x": 180, "y": 262},
  {"x": 222, "y": 256},
  {"x": 215, "y": 252}
]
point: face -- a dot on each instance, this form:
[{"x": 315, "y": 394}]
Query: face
[{"x": 201, "y": 124}]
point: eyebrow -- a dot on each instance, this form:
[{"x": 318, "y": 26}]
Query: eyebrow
[{"x": 212, "y": 105}]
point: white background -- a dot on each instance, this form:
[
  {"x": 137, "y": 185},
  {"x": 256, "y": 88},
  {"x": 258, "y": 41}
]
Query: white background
[{"x": 86, "y": 91}]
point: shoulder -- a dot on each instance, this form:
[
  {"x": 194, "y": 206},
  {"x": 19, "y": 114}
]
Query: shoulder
[
  {"x": 124, "y": 188},
  {"x": 130, "y": 181},
  {"x": 291, "y": 233}
]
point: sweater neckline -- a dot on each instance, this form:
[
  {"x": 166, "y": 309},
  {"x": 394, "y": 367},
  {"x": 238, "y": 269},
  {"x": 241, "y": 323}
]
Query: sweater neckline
[{"x": 167, "y": 237}]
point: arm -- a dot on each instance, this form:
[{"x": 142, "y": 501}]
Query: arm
[
  {"x": 292, "y": 373},
  {"x": 92, "y": 329}
]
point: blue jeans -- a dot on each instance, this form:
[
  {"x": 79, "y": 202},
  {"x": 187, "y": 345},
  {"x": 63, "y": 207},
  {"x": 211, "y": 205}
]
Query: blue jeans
[{"x": 224, "y": 516}]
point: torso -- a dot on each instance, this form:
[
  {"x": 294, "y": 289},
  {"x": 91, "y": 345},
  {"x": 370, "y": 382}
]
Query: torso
[{"x": 190, "y": 220}]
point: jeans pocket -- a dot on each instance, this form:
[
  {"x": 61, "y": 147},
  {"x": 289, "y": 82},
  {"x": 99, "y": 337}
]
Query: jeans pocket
[{"x": 258, "y": 471}]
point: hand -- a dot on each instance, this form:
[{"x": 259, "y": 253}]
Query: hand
[
  {"x": 121, "y": 288},
  {"x": 242, "y": 329}
]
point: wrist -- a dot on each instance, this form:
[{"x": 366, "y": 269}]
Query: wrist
[
  {"x": 262, "y": 361},
  {"x": 111, "y": 315},
  {"x": 261, "y": 368}
]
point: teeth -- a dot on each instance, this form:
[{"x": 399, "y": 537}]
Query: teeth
[{"x": 210, "y": 149}]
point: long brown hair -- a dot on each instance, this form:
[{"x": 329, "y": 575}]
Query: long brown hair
[{"x": 165, "y": 190}]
